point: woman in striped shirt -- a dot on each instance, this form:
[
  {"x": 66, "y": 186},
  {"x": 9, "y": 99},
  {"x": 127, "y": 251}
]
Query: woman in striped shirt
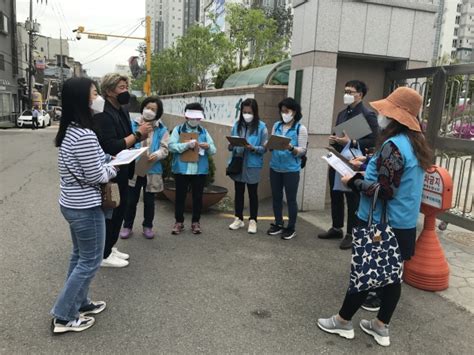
[{"x": 82, "y": 168}]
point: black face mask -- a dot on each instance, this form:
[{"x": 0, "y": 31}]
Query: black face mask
[{"x": 123, "y": 98}]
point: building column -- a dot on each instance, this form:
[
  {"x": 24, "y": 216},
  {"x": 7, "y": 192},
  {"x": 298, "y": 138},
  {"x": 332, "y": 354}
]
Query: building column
[{"x": 317, "y": 87}]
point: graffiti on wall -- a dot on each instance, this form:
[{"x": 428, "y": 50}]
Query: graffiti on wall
[{"x": 217, "y": 109}]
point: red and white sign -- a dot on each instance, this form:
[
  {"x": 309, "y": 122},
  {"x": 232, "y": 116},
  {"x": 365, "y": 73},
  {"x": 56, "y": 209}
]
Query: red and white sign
[{"x": 437, "y": 189}]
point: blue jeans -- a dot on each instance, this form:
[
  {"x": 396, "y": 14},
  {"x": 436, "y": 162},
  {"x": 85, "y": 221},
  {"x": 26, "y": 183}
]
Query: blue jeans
[{"x": 88, "y": 238}]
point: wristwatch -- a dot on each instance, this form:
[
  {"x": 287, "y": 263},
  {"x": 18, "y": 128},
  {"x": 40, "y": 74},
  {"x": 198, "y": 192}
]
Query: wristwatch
[{"x": 138, "y": 136}]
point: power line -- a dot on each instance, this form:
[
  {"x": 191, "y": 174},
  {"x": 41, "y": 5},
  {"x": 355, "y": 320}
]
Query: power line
[
  {"x": 118, "y": 44},
  {"x": 110, "y": 43},
  {"x": 103, "y": 55}
]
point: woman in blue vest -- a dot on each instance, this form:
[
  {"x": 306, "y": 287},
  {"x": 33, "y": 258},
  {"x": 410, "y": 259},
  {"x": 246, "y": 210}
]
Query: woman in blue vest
[
  {"x": 190, "y": 173},
  {"x": 255, "y": 131},
  {"x": 150, "y": 181},
  {"x": 398, "y": 167},
  {"x": 285, "y": 166}
]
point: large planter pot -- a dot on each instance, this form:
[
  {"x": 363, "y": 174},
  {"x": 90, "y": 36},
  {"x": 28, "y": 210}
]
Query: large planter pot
[{"x": 212, "y": 195}]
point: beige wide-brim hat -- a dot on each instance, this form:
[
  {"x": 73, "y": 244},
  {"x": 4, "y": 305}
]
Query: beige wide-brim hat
[{"x": 403, "y": 105}]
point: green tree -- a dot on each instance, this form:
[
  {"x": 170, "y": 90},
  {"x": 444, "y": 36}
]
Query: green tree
[
  {"x": 254, "y": 36},
  {"x": 201, "y": 50},
  {"x": 225, "y": 70},
  {"x": 190, "y": 64}
]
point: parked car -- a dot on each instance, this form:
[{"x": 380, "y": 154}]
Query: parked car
[
  {"x": 57, "y": 112},
  {"x": 25, "y": 119}
]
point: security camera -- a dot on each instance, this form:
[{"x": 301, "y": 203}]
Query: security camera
[{"x": 78, "y": 36}]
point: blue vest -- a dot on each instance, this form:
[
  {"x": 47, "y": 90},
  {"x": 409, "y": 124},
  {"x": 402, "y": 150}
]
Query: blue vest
[
  {"x": 254, "y": 160},
  {"x": 403, "y": 209},
  {"x": 284, "y": 161},
  {"x": 158, "y": 133},
  {"x": 181, "y": 167}
]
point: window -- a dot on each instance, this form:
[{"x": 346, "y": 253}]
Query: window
[
  {"x": 2, "y": 62},
  {"x": 457, "y": 19},
  {"x": 458, "y": 9},
  {"x": 455, "y": 43},
  {"x": 456, "y": 31},
  {"x": 42, "y": 49},
  {"x": 3, "y": 23}
]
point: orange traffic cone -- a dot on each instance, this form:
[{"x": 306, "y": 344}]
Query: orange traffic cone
[{"x": 428, "y": 269}]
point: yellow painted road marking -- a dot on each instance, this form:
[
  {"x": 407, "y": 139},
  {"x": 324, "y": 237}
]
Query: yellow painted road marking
[{"x": 260, "y": 218}]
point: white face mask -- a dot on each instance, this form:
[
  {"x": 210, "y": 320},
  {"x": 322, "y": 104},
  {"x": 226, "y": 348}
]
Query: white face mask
[
  {"x": 97, "y": 104},
  {"x": 148, "y": 115},
  {"x": 383, "y": 121},
  {"x": 287, "y": 117},
  {"x": 193, "y": 123},
  {"x": 248, "y": 117},
  {"x": 348, "y": 99}
]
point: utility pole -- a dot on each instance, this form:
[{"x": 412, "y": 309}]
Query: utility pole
[
  {"x": 61, "y": 74},
  {"x": 102, "y": 36},
  {"x": 30, "y": 57}
]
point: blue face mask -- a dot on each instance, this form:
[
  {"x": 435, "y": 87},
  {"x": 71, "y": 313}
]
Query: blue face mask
[{"x": 193, "y": 123}]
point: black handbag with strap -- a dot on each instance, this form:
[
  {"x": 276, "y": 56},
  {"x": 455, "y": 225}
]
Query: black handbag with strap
[{"x": 235, "y": 165}]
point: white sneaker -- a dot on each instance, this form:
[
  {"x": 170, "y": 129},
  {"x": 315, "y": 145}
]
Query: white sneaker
[
  {"x": 252, "y": 226},
  {"x": 238, "y": 223},
  {"x": 119, "y": 254},
  {"x": 114, "y": 261}
]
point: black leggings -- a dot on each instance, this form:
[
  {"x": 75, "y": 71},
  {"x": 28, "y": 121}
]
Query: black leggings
[
  {"x": 239, "y": 199},
  {"x": 389, "y": 296}
]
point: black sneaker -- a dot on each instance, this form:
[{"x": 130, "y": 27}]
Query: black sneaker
[
  {"x": 331, "y": 234},
  {"x": 274, "y": 229},
  {"x": 288, "y": 234},
  {"x": 346, "y": 243},
  {"x": 95, "y": 307},
  {"x": 372, "y": 303},
  {"x": 78, "y": 325}
]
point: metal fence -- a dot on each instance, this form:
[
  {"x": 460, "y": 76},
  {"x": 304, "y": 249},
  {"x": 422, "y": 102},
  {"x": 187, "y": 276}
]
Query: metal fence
[{"x": 447, "y": 119}]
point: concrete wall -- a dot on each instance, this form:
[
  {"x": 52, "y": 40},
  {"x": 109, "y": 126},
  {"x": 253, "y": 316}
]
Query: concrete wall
[
  {"x": 219, "y": 121},
  {"x": 339, "y": 40}
]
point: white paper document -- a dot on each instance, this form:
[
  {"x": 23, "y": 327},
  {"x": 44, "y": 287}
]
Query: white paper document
[
  {"x": 337, "y": 164},
  {"x": 126, "y": 156}
]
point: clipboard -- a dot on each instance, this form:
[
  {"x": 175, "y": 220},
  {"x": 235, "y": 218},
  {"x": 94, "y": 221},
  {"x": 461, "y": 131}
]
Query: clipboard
[
  {"x": 237, "y": 141},
  {"x": 190, "y": 155},
  {"x": 339, "y": 155},
  {"x": 356, "y": 127},
  {"x": 278, "y": 142},
  {"x": 338, "y": 165},
  {"x": 142, "y": 165}
]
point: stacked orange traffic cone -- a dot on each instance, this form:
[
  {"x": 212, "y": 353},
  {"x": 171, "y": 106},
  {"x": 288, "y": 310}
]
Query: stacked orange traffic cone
[{"x": 428, "y": 269}]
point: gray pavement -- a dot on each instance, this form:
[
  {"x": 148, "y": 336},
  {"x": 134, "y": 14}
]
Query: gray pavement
[{"x": 221, "y": 292}]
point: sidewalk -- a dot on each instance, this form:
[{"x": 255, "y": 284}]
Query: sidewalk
[
  {"x": 6, "y": 124},
  {"x": 458, "y": 245}
]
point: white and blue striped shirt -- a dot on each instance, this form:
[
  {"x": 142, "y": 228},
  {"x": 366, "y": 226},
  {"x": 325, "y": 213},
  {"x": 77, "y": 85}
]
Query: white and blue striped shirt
[{"x": 81, "y": 158}]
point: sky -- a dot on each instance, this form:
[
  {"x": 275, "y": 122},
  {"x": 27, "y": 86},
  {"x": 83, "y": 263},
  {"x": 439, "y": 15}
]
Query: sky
[{"x": 104, "y": 16}]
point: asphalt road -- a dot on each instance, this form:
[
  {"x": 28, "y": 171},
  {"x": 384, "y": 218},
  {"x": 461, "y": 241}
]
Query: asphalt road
[{"x": 221, "y": 292}]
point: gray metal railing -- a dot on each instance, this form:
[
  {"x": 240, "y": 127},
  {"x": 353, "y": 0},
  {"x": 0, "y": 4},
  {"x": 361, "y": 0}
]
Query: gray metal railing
[{"x": 447, "y": 118}]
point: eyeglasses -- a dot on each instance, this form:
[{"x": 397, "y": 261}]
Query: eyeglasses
[{"x": 350, "y": 92}]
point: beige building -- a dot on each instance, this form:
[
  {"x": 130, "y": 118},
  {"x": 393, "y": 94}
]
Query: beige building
[{"x": 339, "y": 40}]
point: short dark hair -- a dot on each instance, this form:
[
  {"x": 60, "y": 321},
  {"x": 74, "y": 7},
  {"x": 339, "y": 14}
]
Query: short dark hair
[
  {"x": 360, "y": 86},
  {"x": 194, "y": 106},
  {"x": 291, "y": 104},
  {"x": 157, "y": 101}
]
